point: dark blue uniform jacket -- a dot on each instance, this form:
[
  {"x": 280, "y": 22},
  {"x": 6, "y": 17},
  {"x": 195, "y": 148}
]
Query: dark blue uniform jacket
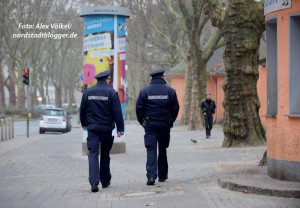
[
  {"x": 101, "y": 109},
  {"x": 157, "y": 102}
]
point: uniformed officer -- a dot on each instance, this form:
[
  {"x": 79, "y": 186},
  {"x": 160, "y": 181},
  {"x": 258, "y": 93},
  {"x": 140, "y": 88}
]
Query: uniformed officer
[
  {"x": 208, "y": 107},
  {"x": 100, "y": 110},
  {"x": 156, "y": 109}
]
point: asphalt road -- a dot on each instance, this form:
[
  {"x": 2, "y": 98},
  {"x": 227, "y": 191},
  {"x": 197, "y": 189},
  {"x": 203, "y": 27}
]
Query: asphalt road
[{"x": 20, "y": 127}]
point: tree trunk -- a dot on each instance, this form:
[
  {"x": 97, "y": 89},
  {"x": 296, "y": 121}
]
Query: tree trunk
[
  {"x": 2, "y": 92},
  {"x": 12, "y": 93},
  {"x": 33, "y": 98},
  {"x": 58, "y": 100},
  {"x": 195, "y": 87},
  {"x": 72, "y": 97},
  {"x": 47, "y": 100},
  {"x": 21, "y": 96},
  {"x": 202, "y": 92},
  {"x": 198, "y": 91},
  {"x": 66, "y": 95},
  {"x": 243, "y": 27},
  {"x": 42, "y": 91},
  {"x": 2, "y": 97},
  {"x": 58, "y": 85},
  {"x": 188, "y": 85},
  {"x": 198, "y": 80}
]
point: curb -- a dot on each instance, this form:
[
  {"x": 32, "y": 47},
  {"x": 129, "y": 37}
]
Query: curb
[
  {"x": 256, "y": 181},
  {"x": 258, "y": 190}
]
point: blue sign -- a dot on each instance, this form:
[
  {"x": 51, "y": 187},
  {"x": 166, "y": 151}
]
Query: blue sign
[{"x": 97, "y": 24}]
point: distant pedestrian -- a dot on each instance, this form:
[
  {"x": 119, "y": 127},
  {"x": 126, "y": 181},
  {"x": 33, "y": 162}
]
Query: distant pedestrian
[
  {"x": 208, "y": 107},
  {"x": 100, "y": 110},
  {"x": 156, "y": 109}
]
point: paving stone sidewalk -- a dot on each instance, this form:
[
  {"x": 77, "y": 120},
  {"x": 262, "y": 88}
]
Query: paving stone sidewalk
[{"x": 49, "y": 171}]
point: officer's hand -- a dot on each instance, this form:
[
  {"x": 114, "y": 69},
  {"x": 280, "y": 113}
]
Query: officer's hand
[
  {"x": 120, "y": 134},
  {"x": 204, "y": 114}
]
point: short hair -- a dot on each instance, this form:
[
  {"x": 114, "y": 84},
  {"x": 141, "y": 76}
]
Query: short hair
[{"x": 208, "y": 93}]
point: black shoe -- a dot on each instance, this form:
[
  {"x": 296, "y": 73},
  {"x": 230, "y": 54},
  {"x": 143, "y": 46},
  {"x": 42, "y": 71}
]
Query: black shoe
[
  {"x": 105, "y": 185},
  {"x": 150, "y": 181},
  {"x": 94, "y": 188},
  {"x": 163, "y": 179},
  {"x": 207, "y": 137}
]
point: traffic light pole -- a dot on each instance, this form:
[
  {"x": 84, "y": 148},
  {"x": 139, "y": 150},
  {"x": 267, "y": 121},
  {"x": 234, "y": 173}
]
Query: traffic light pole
[
  {"x": 26, "y": 81},
  {"x": 27, "y": 111},
  {"x": 27, "y": 126}
]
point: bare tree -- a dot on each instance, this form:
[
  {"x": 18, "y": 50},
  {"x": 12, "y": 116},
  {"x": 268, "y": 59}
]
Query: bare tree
[
  {"x": 242, "y": 25},
  {"x": 47, "y": 58},
  {"x": 21, "y": 52},
  {"x": 193, "y": 20},
  {"x": 2, "y": 78},
  {"x": 146, "y": 49}
]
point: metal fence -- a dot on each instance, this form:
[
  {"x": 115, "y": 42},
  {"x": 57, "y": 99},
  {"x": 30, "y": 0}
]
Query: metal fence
[{"x": 6, "y": 128}]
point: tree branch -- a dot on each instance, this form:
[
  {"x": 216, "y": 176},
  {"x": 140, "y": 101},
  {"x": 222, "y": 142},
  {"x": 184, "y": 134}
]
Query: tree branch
[
  {"x": 176, "y": 14},
  {"x": 215, "y": 10},
  {"x": 168, "y": 39},
  {"x": 220, "y": 43},
  {"x": 210, "y": 46}
]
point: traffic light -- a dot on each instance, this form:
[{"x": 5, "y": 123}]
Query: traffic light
[{"x": 26, "y": 76}]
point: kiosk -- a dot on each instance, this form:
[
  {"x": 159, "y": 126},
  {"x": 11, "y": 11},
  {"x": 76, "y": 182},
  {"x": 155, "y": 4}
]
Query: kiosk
[{"x": 104, "y": 48}]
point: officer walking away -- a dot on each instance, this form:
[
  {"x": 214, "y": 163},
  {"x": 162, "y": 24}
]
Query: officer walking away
[
  {"x": 156, "y": 109},
  {"x": 100, "y": 110},
  {"x": 208, "y": 107}
]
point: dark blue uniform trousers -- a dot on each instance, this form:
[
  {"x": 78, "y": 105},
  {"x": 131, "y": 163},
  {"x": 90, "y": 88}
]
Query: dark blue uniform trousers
[
  {"x": 157, "y": 133},
  {"x": 208, "y": 124},
  {"x": 97, "y": 174}
]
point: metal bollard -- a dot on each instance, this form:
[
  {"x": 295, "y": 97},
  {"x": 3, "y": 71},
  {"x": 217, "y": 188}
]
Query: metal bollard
[
  {"x": 5, "y": 129},
  {"x": 13, "y": 128},
  {"x": 1, "y": 126},
  {"x": 9, "y": 127}
]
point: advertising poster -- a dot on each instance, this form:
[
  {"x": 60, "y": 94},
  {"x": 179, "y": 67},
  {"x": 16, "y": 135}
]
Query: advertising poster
[
  {"x": 98, "y": 47},
  {"x": 104, "y": 48},
  {"x": 121, "y": 58}
]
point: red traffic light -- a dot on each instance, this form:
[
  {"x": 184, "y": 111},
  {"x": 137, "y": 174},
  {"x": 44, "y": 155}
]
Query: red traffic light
[
  {"x": 25, "y": 71},
  {"x": 26, "y": 76}
]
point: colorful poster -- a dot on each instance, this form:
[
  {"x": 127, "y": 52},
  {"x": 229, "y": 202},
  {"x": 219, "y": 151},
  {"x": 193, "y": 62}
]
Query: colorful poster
[
  {"x": 104, "y": 48},
  {"x": 97, "y": 55}
]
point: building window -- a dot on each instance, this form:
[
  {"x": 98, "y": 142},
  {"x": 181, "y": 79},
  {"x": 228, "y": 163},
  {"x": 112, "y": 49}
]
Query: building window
[
  {"x": 294, "y": 65},
  {"x": 272, "y": 86}
]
